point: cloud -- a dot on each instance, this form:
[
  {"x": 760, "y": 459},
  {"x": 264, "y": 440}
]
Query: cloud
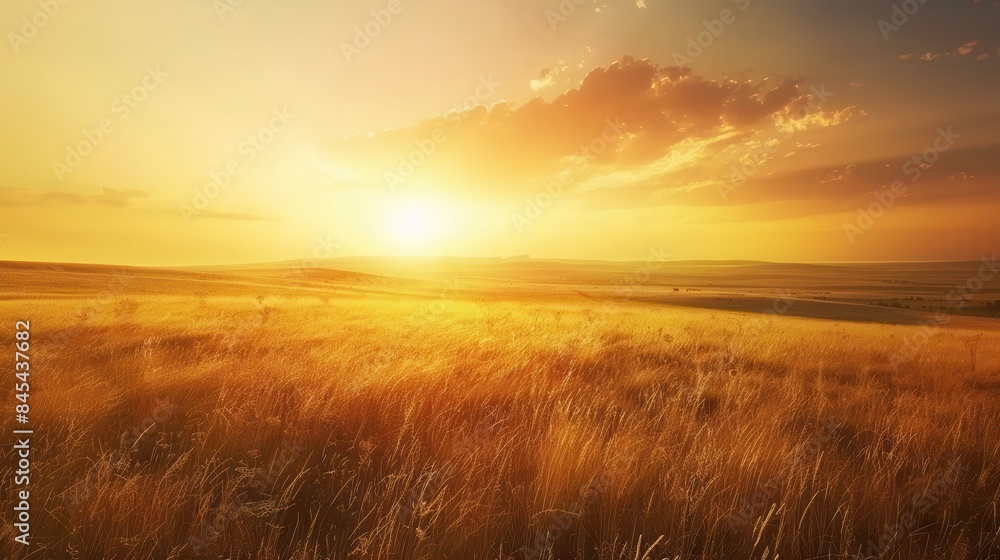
[
  {"x": 963, "y": 50},
  {"x": 547, "y": 78},
  {"x": 835, "y": 187},
  {"x": 968, "y": 47},
  {"x": 630, "y": 118},
  {"x": 107, "y": 197}
]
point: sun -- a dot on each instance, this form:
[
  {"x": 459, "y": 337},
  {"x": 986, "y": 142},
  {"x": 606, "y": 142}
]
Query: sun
[{"x": 415, "y": 223}]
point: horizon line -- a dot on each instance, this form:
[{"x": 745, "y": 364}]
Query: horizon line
[{"x": 514, "y": 258}]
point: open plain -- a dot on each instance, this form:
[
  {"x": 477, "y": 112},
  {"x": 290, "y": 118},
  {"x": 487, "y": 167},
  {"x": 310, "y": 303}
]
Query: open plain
[{"x": 489, "y": 409}]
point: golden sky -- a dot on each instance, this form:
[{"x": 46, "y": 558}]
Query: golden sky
[{"x": 227, "y": 131}]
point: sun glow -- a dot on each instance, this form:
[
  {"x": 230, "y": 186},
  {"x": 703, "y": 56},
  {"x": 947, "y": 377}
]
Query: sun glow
[{"x": 415, "y": 224}]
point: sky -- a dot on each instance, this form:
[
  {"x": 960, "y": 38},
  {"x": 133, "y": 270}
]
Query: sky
[{"x": 199, "y": 132}]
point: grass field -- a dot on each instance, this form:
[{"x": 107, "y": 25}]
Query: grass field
[{"x": 212, "y": 415}]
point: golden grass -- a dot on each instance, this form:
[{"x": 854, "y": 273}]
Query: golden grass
[{"x": 392, "y": 427}]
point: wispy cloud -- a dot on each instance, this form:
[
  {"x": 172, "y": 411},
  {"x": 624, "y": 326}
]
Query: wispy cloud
[
  {"x": 108, "y": 197},
  {"x": 662, "y": 111}
]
